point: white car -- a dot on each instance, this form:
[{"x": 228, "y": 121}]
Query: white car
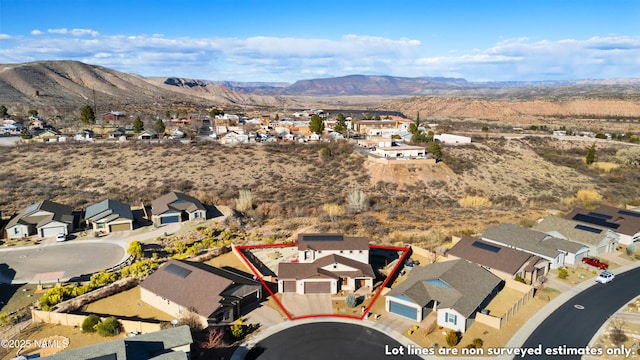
[
  {"x": 605, "y": 277},
  {"x": 61, "y": 237}
]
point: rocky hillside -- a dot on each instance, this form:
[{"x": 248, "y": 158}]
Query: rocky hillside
[
  {"x": 71, "y": 84},
  {"x": 519, "y": 111}
]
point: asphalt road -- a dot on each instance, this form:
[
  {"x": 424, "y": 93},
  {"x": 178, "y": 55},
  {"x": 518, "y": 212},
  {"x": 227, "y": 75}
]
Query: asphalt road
[
  {"x": 327, "y": 340},
  {"x": 571, "y": 327},
  {"x": 71, "y": 258}
]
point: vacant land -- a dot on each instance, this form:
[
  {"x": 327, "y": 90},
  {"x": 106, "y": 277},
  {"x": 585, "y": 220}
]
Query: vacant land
[{"x": 290, "y": 184}]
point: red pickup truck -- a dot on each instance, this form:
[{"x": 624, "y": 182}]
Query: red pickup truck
[{"x": 595, "y": 262}]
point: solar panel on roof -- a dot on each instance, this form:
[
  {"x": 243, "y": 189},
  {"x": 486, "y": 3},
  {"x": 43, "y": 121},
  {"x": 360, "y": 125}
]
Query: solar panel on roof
[
  {"x": 177, "y": 270},
  {"x": 323, "y": 238},
  {"x": 629, "y": 213},
  {"x": 485, "y": 246},
  {"x": 599, "y": 215},
  {"x": 438, "y": 283},
  {"x": 588, "y": 228},
  {"x": 595, "y": 221}
]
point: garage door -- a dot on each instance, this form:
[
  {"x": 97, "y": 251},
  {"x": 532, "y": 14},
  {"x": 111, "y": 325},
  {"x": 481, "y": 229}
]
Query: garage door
[
  {"x": 170, "y": 219},
  {"x": 403, "y": 310},
  {"x": 52, "y": 232},
  {"x": 323, "y": 287},
  {"x": 289, "y": 286},
  {"x": 119, "y": 227}
]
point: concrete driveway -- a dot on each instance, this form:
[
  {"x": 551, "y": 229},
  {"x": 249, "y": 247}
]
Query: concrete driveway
[
  {"x": 311, "y": 304},
  {"x": 63, "y": 261}
]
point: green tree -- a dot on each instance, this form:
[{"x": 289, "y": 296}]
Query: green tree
[
  {"x": 89, "y": 323},
  {"x": 87, "y": 115},
  {"x": 3, "y": 111},
  {"x": 434, "y": 149},
  {"x": 32, "y": 112},
  {"x": 138, "y": 125},
  {"x": 214, "y": 112},
  {"x": 591, "y": 155},
  {"x": 277, "y": 117},
  {"x": 135, "y": 249},
  {"x": 159, "y": 127},
  {"x": 167, "y": 114},
  {"x": 316, "y": 124},
  {"x": 453, "y": 338},
  {"x": 341, "y": 124},
  {"x": 109, "y": 327}
]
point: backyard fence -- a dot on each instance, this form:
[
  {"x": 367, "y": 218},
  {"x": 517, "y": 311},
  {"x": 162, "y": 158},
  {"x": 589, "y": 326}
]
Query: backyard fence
[
  {"x": 498, "y": 322},
  {"x": 75, "y": 320}
]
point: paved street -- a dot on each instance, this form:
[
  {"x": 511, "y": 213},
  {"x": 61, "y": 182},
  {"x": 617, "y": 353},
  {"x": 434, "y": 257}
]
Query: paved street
[{"x": 61, "y": 260}]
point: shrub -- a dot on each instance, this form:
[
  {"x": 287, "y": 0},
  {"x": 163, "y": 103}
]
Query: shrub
[
  {"x": 351, "y": 300},
  {"x": 5, "y": 320},
  {"x": 588, "y": 197},
  {"x": 563, "y": 273},
  {"x": 474, "y": 202},
  {"x": 477, "y": 343},
  {"x": 109, "y": 327},
  {"x": 89, "y": 323},
  {"x": 135, "y": 249},
  {"x": 453, "y": 338},
  {"x": 237, "y": 330}
]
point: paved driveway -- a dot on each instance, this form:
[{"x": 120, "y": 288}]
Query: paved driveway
[
  {"x": 59, "y": 260},
  {"x": 312, "y": 304}
]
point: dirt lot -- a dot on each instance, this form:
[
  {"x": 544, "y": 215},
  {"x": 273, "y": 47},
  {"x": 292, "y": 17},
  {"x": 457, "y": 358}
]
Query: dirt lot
[{"x": 113, "y": 305}]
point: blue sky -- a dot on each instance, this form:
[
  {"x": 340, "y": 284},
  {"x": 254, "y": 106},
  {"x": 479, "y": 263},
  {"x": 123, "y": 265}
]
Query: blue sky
[{"x": 292, "y": 40}]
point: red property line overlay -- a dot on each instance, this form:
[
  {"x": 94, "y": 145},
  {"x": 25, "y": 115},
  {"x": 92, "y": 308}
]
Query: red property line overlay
[{"x": 240, "y": 248}]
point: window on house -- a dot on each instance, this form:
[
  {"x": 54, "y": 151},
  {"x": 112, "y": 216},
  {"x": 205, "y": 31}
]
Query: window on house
[
  {"x": 16, "y": 231},
  {"x": 451, "y": 318},
  {"x": 100, "y": 226},
  {"x": 345, "y": 281}
]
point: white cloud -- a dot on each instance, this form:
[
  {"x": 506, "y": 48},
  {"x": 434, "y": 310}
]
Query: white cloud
[
  {"x": 264, "y": 58},
  {"x": 74, "y": 32},
  {"x": 36, "y": 32}
]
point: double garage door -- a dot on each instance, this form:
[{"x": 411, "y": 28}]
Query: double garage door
[
  {"x": 403, "y": 310},
  {"x": 170, "y": 219},
  {"x": 317, "y": 287},
  {"x": 120, "y": 227}
]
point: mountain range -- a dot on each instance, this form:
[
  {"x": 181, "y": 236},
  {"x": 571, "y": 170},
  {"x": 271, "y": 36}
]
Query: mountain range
[{"x": 68, "y": 85}]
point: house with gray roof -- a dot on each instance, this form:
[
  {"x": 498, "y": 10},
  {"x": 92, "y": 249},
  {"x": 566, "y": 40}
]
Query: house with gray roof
[
  {"x": 109, "y": 215},
  {"x": 504, "y": 262},
  {"x": 623, "y": 222},
  {"x": 215, "y": 295},
  {"x": 599, "y": 240},
  {"x": 314, "y": 246},
  {"x": 176, "y": 207},
  {"x": 327, "y": 275},
  {"x": 45, "y": 219},
  {"x": 169, "y": 344},
  {"x": 327, "y": 263},
  {"x": 559, "y": 252},
  {"x": 455, "y": 289}
]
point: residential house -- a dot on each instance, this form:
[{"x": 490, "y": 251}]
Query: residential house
[
  {"x": 456, "y": 290},
  {"x": 327, "y": 263},
  {"x": 506, "y": 263},
  {"x": 117, "y": 133},
  {"x": 598, "y": 240},
  {"x": 450, "y": 139},
  {"x": 385, "y": 128},
  {"x": 108, "y": 216},
  {"x": 559, "y": 252},
  {"x": 45, "y": 218},
  {"x": 214, "y": 295},
  {"x": 147, "y": 135},
  {"x": 403, "y": 152},
  {"x": 172, "y": 343},
  {"x": 623, "y": 222},
  {"x": 112, "y": 116},
  {"x": 176, "y": 207}
]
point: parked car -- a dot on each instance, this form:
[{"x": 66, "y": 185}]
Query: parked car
[
  {"x": 61, "y": 237},
  {"x": 605, "y": 277},
  {"x": 595, "y": 262}
]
